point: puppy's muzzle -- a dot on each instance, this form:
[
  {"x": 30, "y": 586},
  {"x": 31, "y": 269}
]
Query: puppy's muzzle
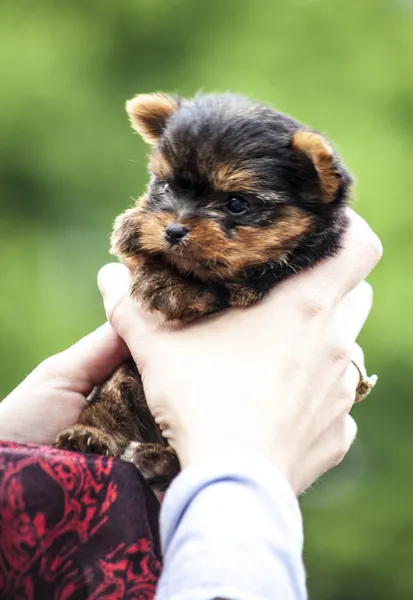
[{"x": 175, "y": 233}]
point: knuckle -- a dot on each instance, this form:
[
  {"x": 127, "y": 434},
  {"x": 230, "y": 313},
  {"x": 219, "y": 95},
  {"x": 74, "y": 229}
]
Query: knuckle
[
  {"x": 50, "y": 368},
  {"x": 341, "y": 355},
  {"x": 371, "y": 245},
  {"x": 346, "y": 436},
  {"x": 376, "y": 247},
  {"x": 313, "y": 305},
  {"x": 358, "y": 353},
  {"x": 366, "y": 292},
  {"x": 373, "y": 249},
  {"x": 50, "y": 364},
  {"x": 339, "y": 453},
  {"x": 341, "y": 448}
]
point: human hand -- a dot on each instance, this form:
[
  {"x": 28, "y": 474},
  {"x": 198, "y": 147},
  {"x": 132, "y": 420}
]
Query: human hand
[
  {"x": 275, "y": 379},
  {"x": 52, "y": 397}
]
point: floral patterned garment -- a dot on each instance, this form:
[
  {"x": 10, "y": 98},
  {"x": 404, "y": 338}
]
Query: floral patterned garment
[{"x": 75, "y": 527}]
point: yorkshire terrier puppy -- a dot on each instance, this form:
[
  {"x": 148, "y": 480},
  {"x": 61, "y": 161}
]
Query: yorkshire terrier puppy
[{"x": 240, "y": 197}]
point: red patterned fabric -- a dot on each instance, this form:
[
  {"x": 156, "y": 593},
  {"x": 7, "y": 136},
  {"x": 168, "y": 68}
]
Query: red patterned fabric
[{"x": 75, "y": 527}]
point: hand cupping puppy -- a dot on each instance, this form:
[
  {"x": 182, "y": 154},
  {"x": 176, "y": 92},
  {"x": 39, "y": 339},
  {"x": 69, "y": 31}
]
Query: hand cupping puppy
[{"x": 275, "y": 379}]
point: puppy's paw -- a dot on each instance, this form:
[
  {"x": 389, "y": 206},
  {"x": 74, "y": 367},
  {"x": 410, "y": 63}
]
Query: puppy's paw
[
  {"x": 180, "y": 302},
  {"x": 160, "y": 288},
  {"x": 157, "y": 464},
  {"x": 89, "y": 440},
  {"x": 185, "y": 305}
]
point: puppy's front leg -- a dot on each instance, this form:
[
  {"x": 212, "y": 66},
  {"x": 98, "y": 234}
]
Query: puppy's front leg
[{"x": 87, "y": 439}]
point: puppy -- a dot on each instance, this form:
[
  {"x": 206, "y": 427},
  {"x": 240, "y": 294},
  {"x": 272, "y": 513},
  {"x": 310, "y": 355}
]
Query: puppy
[{"x": 239, "y": 198}]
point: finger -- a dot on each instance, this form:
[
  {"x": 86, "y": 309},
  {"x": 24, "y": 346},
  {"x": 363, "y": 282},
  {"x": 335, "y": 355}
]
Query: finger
[
  {"x": 127, "y": 318},
  {"x": 352, "y": 375},
  {"x": 354, "y": 309},
  {"x": 114, "y": 282},
  {"x": 343, "y": 393},
  {"x": 358, "y": 354},
  {"x": 328, "y": 451},
  {"x": 336, "y": 441},
  {"x": 361, "y": 251},
  {"x": 350, "y": 432},
  {"x": 87, "y": 363}
]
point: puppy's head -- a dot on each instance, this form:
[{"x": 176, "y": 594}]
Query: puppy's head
[{"x": 233, "y": 184}]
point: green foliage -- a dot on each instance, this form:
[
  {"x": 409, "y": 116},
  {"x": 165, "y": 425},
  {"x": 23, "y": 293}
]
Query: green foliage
[{"x": 70, "y": 164}]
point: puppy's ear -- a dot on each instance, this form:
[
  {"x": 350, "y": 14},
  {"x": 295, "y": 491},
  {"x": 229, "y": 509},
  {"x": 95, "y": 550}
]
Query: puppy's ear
[
  {"x": 148, "y": 114},
  {"x": 315, "y": 147}
]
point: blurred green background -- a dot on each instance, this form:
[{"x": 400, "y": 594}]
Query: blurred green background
[{"x": 69, "y": 164}]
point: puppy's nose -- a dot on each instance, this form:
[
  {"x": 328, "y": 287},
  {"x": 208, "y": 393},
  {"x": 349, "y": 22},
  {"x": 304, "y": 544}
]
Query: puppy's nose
[{"x": 175, "y": 232}]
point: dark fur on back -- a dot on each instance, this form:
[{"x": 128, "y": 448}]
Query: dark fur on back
[{"x": 240, "y": 197}]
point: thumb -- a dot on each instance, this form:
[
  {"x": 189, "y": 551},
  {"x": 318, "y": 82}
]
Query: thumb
[
  {"x": 125, "y": 315},
  {"x": 114, "y": 283}
]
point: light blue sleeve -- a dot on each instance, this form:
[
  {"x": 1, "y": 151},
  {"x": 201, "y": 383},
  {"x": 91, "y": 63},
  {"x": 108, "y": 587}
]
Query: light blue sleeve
[{"x": 231, "y": 528}]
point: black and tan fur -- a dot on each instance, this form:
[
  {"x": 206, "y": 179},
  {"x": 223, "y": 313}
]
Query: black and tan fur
[{"x": 211, "y": 155}]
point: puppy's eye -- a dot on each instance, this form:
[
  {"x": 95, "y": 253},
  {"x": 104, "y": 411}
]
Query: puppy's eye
[{"x": 237, "y": 205}]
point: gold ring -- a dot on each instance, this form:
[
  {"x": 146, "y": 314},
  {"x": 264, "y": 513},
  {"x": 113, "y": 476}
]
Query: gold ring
[{"x": 365, "y": 384}]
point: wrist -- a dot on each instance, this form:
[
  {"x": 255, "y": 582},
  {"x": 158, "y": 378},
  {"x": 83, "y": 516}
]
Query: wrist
[
  {"x": 194, "y": 451},
  {"x": 236, "y": 465}
]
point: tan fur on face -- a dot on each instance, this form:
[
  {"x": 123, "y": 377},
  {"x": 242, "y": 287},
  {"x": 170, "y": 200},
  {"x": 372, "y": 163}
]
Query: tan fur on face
[
  {"x": 224, "y": 178},
  {"x": 152, "y": 231},
  {"x": 225, "y": 257},
  {"x": 227, "y": 178},
  {"x": 159, "y": 166},
  {"x": 148, "y": 114},
  {"x": 126, "y": 234},
  {"x": 207, "y": 252},
  {"x": 321, "y": 154}
]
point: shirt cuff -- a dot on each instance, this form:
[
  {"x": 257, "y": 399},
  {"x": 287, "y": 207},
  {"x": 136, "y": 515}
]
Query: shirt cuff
[{"x": 231, "y": 527}]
